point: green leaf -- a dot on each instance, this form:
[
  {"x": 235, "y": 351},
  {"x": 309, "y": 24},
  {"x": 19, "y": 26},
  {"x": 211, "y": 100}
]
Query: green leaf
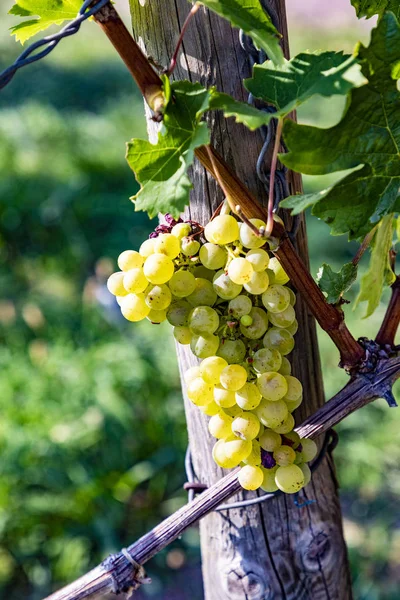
[
  {"x": 289, "y": 85},
  {"x": 46, "y": 13},
  {"x": 336, "y": 284},
  {"x": 244, "y": 113},
  {"x": 161, "y": 168},
  {"x": 368, "y": 137},
  {"x": 379, "y": 273},
  {"x": 369, "y": 8},
  {"x": 251, "y": 17}
]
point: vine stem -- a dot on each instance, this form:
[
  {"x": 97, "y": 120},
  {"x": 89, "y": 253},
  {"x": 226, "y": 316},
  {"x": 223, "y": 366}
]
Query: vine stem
[
  {"x": 185, "y": 25},
  {"x": 329, "y": 317},
  {"x": 117, "y": 574},
  {"x": 365, "y": 243},
  {"x": 391, "y": 321},
  {"x": 271, "y": 193}
]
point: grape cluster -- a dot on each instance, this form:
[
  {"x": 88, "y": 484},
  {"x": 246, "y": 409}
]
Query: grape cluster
[{"x": 226, "y": 298}]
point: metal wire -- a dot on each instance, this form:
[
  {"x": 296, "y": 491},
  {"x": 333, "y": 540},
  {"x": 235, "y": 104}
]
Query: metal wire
[
  {"x": 49, "y": 42},
  {"x": 329, "y": 444}
]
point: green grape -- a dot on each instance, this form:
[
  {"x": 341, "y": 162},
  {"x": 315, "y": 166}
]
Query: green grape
[
  {"x": 273, "y": 386},
  {"x": 254, "y": 457},
  {"x": 134, "y": 281},
  {"x": 178, "y": 313},
  {"x": 233, "y": 411},
  {"x": 233, "y": 377},
  {"x": 240, "y": 271},
  {"x": 272, "y": 414},
  {"x": 276, "y": 298},
  {"x": 212, "y": 256},
  {"x": 115, "y": 284},
  {"x": 134, "y": 307},
  {"x": 293, "y": 405},
  {"x": 189, "y": 247},
  {"x": 220, "y": 457},
  {"x": 270, "y": 440},
  {"x": 267, "y": 360},
  {"x": 204, "y": 293},
  {"x": 225, "y": 287},
  {"x": 286, "y": 426},
  {"x": 271, "y": 276},
  {"x": 220, "y": 425},
  {"x": 158, "y": 268},
  {"x": 284, "y": 455},
  {"x": 292, "y": 329},
  {"x": 199, "y": 392},
  {"x": 286, "y": 367},
  {"x": 289, "y": 479},
  {"x": 204, "y": 346},
  {"x": 224, "y": 398},
  {"x": 240, "y": 306},
  {"x": 258, "y": 283},
  {"x": 233, "y": 351},
  {"x": 283, "y": 319},
  {"x": 295, "y": 389},
  {"x": 248, "y": 397},
  {"x": 250, "y": 477},
  {"x": 268, "y": 484},
  {"x": 130, "y": 259},
  {"x": 201, "y": 272},
  {"x": 157, "y": 316},
  {"x": 306, "y": 472},
  {"x": 147, "y": 247},
  {"x": 258, "y": 326},
  {"x": 211, "y": 369},
  {"x": 210, "y": 409},
  {"x": 247, "y": 236},
  {"x": 292, "y": 296},
  {"x": 246, "y": 320},
  {"x": 222, "y": 230},
  {"x": 258, "y": 258},
  {"x": 182, "y": 283},
  {"x": 181, "y": 230},
  {"x": 309, "y": 449},
  {"x": 167, "y": 244},
  {"x": 158, "y": 297},
  {"x": 237, "y": 449},
  {"x": 292, "y": 439},
  {"x": 281, "y": 276},
  {"x": 183, "y": 335},
  {"x": 191, "y": 373},
  {"x": 203, "y": 320},
  {"x": 246, "y": 426},
  {"x": 279, "y": 339}
]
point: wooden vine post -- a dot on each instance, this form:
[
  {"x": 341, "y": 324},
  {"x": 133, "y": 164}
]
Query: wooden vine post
[{"x": 274, "y": 550}]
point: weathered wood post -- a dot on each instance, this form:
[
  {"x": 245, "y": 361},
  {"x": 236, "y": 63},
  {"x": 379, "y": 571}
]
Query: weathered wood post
[{"x": 273, "y": 550}]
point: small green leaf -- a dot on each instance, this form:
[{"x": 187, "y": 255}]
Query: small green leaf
[
  {"x": 46, "y": 13},
  {"x": 379, "y": 273},
  {"x": 367, "y": 137},
  {"x": 244, "y": 113},
  {"x": 161, "y": 168},
  {"x": 289, "y": 85},
  {"x": 334, "y": 285},
  {"x": 252, "y": 18},
  {"x": 369, "y": 8}
]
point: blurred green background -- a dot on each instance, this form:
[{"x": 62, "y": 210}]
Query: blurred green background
[{"x": 92, "y": 430}]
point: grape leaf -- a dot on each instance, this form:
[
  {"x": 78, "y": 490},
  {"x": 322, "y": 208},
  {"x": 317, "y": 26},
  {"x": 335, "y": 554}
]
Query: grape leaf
[
  {"x": 161, "y": 168},
  {"x": 46, "y": 13},
  {"x": 369, "y": 8},
  {"x": 289, "y": 85},
  {"x": 251, "y": 17},
  {"x": 368, "y": 137},
  {"x": 336, "y": 284},
  {"x": 379, "y": 272},
  {"x": 242, "y": 111}
]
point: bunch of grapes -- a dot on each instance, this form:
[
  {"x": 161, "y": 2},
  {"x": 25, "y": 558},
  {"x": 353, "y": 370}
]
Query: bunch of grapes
[{"x": 227, "y": 298}]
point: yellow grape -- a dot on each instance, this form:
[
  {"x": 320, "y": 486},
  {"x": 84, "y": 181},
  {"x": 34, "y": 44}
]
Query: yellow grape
[
  {"x": 158, "y": 268},
  {"x": 147, "y": 247},
  {"x": 199, "y": 392},
  {"x": 250, "y": 477},
  {"x": 233, "y": 377},
  {"x": 115, "y": 284},
  {"x": 220, "y": 425},
  {"x": 134, "y": 307},
  {"x": 211, "y": 369},
  {"x": 130, "y": 259},
  {"x": 167, "y": 244},
  {"x": 289, "y": 479}
]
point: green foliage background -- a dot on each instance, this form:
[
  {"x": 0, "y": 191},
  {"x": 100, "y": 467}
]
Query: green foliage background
[{"x": 92, "y": 431}]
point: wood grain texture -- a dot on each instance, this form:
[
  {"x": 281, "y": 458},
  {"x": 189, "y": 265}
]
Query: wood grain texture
[{"x": 258, "y": 553}]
